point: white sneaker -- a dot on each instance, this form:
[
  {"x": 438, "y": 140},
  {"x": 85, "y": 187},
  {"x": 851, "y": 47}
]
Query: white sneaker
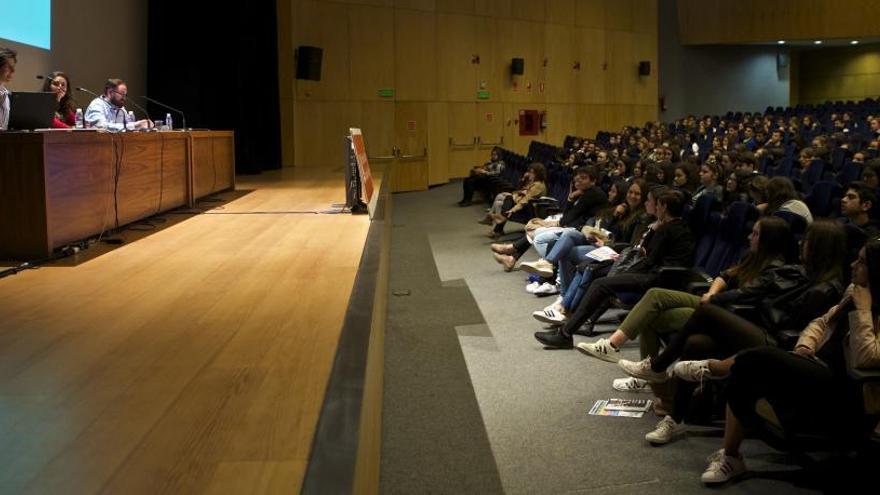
[
  {"x": 667, "y": 430},
  {"x": 601, "y": 349},
  {"x": 541, "y": 268},
  {"x": 546, "y": 289},
  {"x": 532, "y": 287},
  {"x": 550, "y": 315},
  {"x": 630, "y": 384},
  {"x": 723, "y": 470},
  {"x": 642, "y": 369},
  {"x": 694, "y": 371},
  {"x": 715, "y": 456}
]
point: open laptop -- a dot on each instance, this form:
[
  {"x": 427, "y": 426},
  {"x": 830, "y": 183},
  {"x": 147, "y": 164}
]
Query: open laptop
[{"x": 31, "y": 110}]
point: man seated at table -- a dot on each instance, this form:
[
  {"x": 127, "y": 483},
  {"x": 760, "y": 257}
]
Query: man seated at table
[
  {"x": 8, "y": 58},
  {"x": 108, "y": 110}
]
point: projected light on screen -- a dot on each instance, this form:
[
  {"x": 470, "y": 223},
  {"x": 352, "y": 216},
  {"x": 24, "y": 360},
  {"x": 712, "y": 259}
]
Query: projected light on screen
[{"x": 27, "y": 21}]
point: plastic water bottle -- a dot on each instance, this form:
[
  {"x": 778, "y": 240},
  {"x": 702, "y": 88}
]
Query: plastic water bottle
[
  {"x": 168, "y": 122},
  {"x": 79, "y": 118}
]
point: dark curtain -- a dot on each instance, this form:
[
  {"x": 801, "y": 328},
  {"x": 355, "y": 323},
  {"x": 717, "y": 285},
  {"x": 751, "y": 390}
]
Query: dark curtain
[{"x": 218, "y": 63}]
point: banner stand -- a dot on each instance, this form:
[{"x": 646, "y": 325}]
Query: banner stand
[{"x": 353, "y": 190}]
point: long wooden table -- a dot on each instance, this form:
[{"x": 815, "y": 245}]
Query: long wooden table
[{"x": 61, "y": 187}]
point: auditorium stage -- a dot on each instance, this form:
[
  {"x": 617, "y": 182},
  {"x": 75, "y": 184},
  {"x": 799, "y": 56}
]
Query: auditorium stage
[{"x": 192, "y": 359}]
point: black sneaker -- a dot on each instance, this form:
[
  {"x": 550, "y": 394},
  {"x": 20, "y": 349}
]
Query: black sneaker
[
  {"x": 464, "y": 203},
  {"x": 556, "y": 339}
]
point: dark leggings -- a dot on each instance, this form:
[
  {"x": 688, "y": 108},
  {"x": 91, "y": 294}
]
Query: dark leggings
[
  {"x": 520, "y": 216},
  {"x": 521, "y": 245},
  {"x": 724, "y": 334},
  {"x": 476, "y": 182},
  {"x": 807, "y": 396},
  {"x": 712, "y": 332}
]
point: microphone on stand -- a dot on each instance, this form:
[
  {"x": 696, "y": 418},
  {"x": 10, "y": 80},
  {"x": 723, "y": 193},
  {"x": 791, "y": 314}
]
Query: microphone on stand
[
  {"x": 182, "y": 115},
  {"x": 84, "y": 90}
]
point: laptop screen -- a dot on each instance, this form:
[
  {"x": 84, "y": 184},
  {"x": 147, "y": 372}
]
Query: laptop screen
[{"x": 31, "y": 110}]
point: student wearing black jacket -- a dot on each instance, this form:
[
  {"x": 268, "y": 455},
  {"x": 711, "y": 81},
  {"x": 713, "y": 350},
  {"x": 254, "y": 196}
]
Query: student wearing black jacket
[
  {"x": 584, "y": 201},
  {"x": 669, "y": 244}
]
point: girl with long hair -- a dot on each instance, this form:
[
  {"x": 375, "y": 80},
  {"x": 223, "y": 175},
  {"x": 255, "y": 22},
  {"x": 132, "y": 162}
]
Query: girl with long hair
[{"x": 59, "y": 83}]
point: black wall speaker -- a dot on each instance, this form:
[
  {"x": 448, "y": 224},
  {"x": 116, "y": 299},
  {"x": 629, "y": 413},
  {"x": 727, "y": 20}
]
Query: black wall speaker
[
  {"x": 308, "y": 63},
  {"x": 517, "y": 66},
  {"x": 644, "y": 68}
]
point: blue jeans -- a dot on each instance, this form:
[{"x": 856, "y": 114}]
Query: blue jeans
[
  {"x": 546, "y": 238},
  {"x": 579, "y": 284},
  {"x": 569, "y": 251}
]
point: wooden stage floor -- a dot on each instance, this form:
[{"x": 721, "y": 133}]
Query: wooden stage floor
[{"x": 192, "y": 360}]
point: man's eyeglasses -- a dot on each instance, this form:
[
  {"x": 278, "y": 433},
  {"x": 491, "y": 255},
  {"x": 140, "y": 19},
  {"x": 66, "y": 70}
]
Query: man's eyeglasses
[{"x": 120, "y": 94}]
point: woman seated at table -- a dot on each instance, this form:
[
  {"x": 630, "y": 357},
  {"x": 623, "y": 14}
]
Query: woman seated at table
[{"x": 65, "y": 115}]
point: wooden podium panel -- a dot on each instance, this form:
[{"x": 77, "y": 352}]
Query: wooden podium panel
[
  {"x": 79, "y": 171},
  {"x": 213, "y": 162},
  {"x": 61, "y": 187},
  {"x": 22, "y": 196}
]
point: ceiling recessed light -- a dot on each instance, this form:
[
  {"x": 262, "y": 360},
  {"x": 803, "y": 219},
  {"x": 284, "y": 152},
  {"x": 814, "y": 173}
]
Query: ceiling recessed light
[
  {"x": 780, "y": 42},
  {"x": 854, "y": 42},
  {"x": 817, "y": 42}
]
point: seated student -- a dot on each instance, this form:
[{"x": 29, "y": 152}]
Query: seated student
[
  {"x": 774, "y": 147},
  {"x": 757, "y": 189},
  {"x": 654, "y": 174},
  {"x": 859, "y": 157},
  {"x": 819, "y": 144},
  {"x": 637, "y": 172},
  {"x": 65, "y": 115},
  {"x": 869, "y": 174},
  {"x": 618, "y": 171},
  {"x": 108, "y": 110},
  {"x": 736, "y": 189},
  {"x": 749, "y": 138},
  {"x": 480, "y": 178},
  {"x": 669, "y": 243},
  {"x": 809, "y": 388},
  {"x": 686, "y": 178},
  {"x": 8, "y": 59},
  {"x": 507, "y": 205},
  {"x": 710, "y": 173},
  {"x": 790, "y": 297},
  {"x": 806, "y": 159},
  {"x": 781, "y": 196},
  {"x": 747, "y": 163},
  {"x": 856, "y": 206}
]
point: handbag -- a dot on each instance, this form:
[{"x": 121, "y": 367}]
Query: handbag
[{"x": 628, "y": 259}]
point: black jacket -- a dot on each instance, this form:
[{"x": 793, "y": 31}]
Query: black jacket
[
  {"x": 776, "y": 279},
  {"x": 670, "y": 245},
  {"x": 577, "y": 212}
]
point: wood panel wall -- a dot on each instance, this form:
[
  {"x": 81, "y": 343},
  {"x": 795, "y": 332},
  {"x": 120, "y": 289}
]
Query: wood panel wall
[
  {"x": 851, "y": 73},
  {"x": 425, "y": 51},
  {"x": 745, "y": 21}
]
